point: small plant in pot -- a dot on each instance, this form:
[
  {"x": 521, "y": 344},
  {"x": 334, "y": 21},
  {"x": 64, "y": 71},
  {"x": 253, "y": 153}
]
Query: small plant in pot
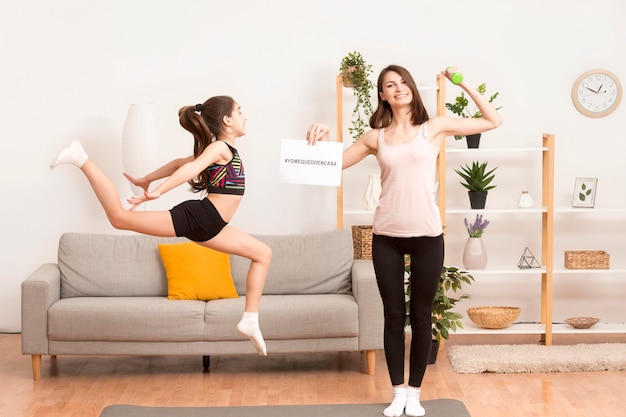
[
  {"x": 356, "y": 72},
  {"x": 461, "y": 109},
  {"x": 443, "y": 319},
  {"x": 477, "y": 180}
]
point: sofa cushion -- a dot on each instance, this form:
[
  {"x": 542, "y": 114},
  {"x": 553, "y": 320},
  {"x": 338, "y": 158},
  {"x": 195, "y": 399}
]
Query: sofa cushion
[
  {"x": 99, "y": 265},
  {"x": 317, "y": 263},
  {"x": 195, "y": 272},
  {"x": 284, "y": 317},
  {"x": 126, "y": 319}
]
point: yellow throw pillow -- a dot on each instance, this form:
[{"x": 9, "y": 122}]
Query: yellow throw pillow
[{"x": 196, "y": 273}]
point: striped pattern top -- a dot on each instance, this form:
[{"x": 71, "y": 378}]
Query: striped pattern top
[{"x": 229, "y": 178}]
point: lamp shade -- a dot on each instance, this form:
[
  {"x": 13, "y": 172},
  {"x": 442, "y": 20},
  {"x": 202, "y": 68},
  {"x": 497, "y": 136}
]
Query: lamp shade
[{"x": 139, "y": 142}]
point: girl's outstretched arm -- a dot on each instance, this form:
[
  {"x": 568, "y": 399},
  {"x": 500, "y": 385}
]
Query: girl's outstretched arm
[
  {"x": 162, "y": 172},
  {"x": 213, "y": 153}
]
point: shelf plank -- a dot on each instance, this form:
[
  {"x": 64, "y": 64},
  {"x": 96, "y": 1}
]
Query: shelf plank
[
  {"x": 598, "y": 328},
  {"x": 537, "y": 328},
  {"x": 505, "y": 270},
  {"x": 507, "y": 210},
  {"x": 562, "y": 270},
  {"x": 495, "y": 150},
  {"x": 521, "y": 328},
  {"x": 589, "y": 210}
]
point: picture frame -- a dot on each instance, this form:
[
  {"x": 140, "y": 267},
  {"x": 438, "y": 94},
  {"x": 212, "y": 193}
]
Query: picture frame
[{"x": 585, "y": 192}]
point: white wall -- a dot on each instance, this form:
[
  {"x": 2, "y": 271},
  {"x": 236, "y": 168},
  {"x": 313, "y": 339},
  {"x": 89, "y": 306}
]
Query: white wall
[{"x": 70, "y": 69}]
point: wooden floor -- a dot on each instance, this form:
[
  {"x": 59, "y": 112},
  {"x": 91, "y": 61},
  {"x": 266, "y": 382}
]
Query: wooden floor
[{"x": 75, "y": 386}]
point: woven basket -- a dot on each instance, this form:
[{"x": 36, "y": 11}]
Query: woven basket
[
  {"x": 582, "y": 322},
  {"x": 586, "y": 259},
  {"x": 362, "y": 240},
  {"x": 496, "y": 317}
]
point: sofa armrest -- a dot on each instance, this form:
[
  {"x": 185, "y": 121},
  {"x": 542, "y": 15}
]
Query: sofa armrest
[
  {"x": 39, "y": 291},
  {"x": 365, "y": 291}
]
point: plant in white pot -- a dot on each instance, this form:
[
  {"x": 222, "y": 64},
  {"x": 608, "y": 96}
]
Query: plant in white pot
[
  {"x": 474, "y": 252},
  {"x": 356, "y": 72},
  {"x": 460, "y": 107}
]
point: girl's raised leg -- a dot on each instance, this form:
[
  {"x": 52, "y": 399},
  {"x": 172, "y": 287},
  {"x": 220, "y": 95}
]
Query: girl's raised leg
[{"x": 155, "y": 223}]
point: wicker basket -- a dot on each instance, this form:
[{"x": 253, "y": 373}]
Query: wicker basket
[
  {"x": 582, "y": 322},
  {"x": 362, "y": 240},
  {"x": 496, "y": 317},
  {"x": 586, "y": 259}
]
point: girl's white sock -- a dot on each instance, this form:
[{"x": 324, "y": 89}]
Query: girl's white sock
[
  {"x": 413, "y": 406},
  {"x": 396, "y": 408},
  {"x": 249, "y": 326},
  {"x": 73, "y": 154}
]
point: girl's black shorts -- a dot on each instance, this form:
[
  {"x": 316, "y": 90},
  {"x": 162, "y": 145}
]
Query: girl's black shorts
[{"x": 197, "y": 220}]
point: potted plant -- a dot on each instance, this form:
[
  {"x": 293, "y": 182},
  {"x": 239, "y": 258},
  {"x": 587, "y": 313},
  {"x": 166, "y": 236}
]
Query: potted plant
[
  {"x": 477, "y": 181},
  {"x": 474, "y": 253},
  {"x": 461, "y": 109},
  {"x": 443, "y": 319},
  {"x": 356, "y": 72}
]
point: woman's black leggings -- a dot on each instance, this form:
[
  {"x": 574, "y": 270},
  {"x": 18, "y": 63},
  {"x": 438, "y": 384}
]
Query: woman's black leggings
[{"x": 426, "y": 263}]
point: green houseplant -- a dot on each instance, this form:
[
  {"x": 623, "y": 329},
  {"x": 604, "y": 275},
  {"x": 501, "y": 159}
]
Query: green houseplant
[
  {"x": 460, "y": 107},
  {"x": 477, "y": 180},
  {"x": 356, "y": 72},
  {"x": 443, "y": 319}
]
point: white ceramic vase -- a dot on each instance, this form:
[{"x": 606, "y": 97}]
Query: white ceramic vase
[
  {"x": 372, "y": 192},
  {"x": 474, "y": 254},
  {"x": 139, "y": 142},
  {"x": 525, "y": 200}
]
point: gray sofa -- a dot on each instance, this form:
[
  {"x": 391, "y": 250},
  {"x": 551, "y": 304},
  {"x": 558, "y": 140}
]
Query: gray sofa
[{"x": 107, "y": 295}]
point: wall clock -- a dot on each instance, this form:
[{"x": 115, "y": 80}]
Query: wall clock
[{"x": 596, "y": 93}]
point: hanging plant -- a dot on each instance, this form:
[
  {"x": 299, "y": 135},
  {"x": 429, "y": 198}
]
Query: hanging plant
[{"x": 356, "y": 72}]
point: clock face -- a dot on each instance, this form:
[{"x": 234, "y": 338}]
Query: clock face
[{"x": 597, "y": 93}]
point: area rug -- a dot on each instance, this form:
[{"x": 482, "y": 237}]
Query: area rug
[
  {"x": 434, "y": 408},
  {"x": 475, "y": 359}
]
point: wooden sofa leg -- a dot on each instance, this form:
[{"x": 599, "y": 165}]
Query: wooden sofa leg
[
  {"x": 371, "y": 361},
  {"x": 36, "y": 359},
  {"x": 206, "y": 362}
]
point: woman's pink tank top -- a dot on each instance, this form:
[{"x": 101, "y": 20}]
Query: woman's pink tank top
[{"x": 407, "y": 206}]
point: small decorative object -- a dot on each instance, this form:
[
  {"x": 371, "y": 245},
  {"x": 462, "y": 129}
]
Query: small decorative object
[
  {"x": 582, "y": 322},
  {"x": 356, "y": 72},
  {"x": 139, "y": 142},
  {"x": 497, "y": 317},
  {"x": 528, "y": 260},
  {"x": 597, "y": 93},
  {"x": 372, "y": 192},
  {"x": 362, "y": 241},
  {"x": 586, "y": 259},
  {"x": 459, "y": 107},
  {"x": 474, "y": 253},
  {"x": 585, "y": 192},
  {"x": 525, "y": 200},
  {"x": 477, "y": 181}
]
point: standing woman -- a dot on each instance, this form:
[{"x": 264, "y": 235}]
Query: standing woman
[
  {"x": 215, "y": 168},
  {"x": 406, "y": 143}
]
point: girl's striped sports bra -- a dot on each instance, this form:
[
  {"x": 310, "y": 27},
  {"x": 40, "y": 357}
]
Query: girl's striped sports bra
[{"x": 229, "y": 178}]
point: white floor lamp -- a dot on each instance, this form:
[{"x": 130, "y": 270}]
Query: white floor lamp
[{"x": 139, "y": 142}]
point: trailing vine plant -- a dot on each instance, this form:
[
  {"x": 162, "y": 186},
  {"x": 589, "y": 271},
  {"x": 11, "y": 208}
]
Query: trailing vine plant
[{"x": 356, "y": 73}]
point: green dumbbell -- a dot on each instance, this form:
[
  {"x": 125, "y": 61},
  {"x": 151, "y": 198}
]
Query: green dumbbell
[{"x": 457, "y": 77}]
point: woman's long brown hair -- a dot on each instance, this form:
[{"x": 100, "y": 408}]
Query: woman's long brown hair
[{"x": 383, "y": 115}]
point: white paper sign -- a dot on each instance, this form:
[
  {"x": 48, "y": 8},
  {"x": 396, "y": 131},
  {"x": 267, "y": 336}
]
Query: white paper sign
[{"x": 319, "y": 164}]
